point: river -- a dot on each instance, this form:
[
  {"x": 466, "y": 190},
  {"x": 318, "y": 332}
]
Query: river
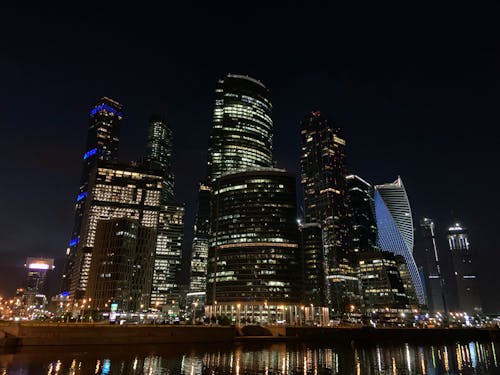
[{"x": 276, "y": 358}]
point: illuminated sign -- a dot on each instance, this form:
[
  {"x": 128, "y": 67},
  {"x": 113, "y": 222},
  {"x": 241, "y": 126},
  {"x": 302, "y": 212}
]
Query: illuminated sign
[
  {"x": 74, "y": 241},
  {"x": 38, "y": 266},
  {"x": 81, "y": 196}
]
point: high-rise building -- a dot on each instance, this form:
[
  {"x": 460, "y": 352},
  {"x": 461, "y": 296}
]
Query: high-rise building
[
  {"x": 427, "y": 257},
  {"x": 381, "y": 284},
  {"x": 122, "y": 265},
  {"x": 168, "y": 257},
  {"x": 361, "y": 214},
  {"x": 253, "y": 258},
  {"x": 464, "y": 274},
  {"x": 313, "y": 264},
  {"x": 38, "y": 270},
  {"x": 242, "y": 132},
  {"x": 395, "y": 227},
  {"x": 199, "y": 253},
  {"x": 115, "y": 191},
  {"x": 159, "y": 154},
  {"x": 103, "y": 137},
  {"x": 323, "y": 171}
]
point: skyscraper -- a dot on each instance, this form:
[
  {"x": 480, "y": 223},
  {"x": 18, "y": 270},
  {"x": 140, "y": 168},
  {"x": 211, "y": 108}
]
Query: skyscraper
[
  {"x": 103, "y": 137},
  {"x": 242, "y": 132},
  {"x": 115, "y": 191},
  {"x": 313, "y": 264},
  {"x": 253, "y": 256},
  {"x": 199, "y": 254},
  {"x": 395, "y": 227},
  {"x": 427, "y": 257},
  {"x": 361, "y": 215},
  {"x": 159, "y": 154},
  {"x": 122, "y": 265},
  {"x": 168, "y": 257},
  {"x": 323, "y": 171},
  {"x": 464, "y": 275}
]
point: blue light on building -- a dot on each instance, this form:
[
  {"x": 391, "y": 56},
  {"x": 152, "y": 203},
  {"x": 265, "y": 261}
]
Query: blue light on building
[
  {"x": 90, "y": 153},
  {"x": 106, "y": 108},
  {"x": 74, "y": 241},
  {"x": 81, "y": 196}
]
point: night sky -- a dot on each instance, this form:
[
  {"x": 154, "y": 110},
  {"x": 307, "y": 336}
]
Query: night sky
[{"x": 415, "y": 89}]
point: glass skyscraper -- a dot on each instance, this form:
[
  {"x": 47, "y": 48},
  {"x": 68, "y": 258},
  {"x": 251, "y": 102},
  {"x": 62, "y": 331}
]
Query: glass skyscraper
[
  {"x": 395, "y": 227},
  {"x": 253, "y": 259},
  {"x": 242, "y": 132},
  {"x": 464, "y": 275},
  {"x": 427, "y": 257}
]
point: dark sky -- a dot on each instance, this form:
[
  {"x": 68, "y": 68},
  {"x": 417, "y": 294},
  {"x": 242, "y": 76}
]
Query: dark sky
[{"x": 415, "y": 88}]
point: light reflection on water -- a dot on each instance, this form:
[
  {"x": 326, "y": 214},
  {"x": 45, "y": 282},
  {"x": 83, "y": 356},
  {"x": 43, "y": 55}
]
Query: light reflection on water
[{"x": 279, "y": 358}]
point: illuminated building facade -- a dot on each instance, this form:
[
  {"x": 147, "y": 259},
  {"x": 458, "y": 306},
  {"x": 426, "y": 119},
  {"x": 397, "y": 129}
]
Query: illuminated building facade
[
  {"x": 242, "y": 132},
  {"x": 199, "y": 251},
  {"x": 116, "y": 191},
  {"x": 37, "y": 272},
  {"x": 122, "y": 265},
  {"x": 168, "y": 257},
  {"x": 254, "y": 259},
  {"x": 159, "y": 154},
  {"x": 427, "y": 257},
  {"x": 323, "y": 171},
  {"x": 381, "y": 284},
  {"x": 361, "y": 215},
  {"x": 464, "y": 275},
  {"x": 103, "y": 138},
  {"x": 313, "y": 264},
  {"x": 395, "y": 228}
]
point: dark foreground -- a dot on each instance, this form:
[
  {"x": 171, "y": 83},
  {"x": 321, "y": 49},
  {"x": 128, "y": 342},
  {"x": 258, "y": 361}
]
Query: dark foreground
[{"x": 256, "y": 358}]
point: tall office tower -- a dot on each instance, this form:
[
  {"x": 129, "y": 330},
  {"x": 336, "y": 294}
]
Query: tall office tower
[
  {"x": 426, "y": 255},
  {"x": 115, "y": 191},
  {"x": 159, "y": 154},
  {"x": 36, "y": 278},
  {"x": 381, "y": 284},
  {"x": 102, "y": 146},
  {"x": 168, "y": 257},
  {"x": 409, "y": 288},
  {"x": 361, "y": 215},
  {"x": 395, "y": 227},
  {"x": 199, "y": 254},
  {"x": 323, "y": 171},
  {"x": 313, "y": 264},
  {"x": 122, "y": 265},
  {"x": 464, "y": 274},
  {"x": 242, "y": 134},
  {"x": 253, "y": 255}
]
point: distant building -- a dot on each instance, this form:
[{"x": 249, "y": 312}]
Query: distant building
[
  {"x": 242, "y": 132},
  {"x": 381, "y": 284},
  {"x": 323, "y": 171},
  {"x": 427, "y": 257},
  {"x": 395, "y": 228},
  {"x": 37, "y": 272},
  {"x": 464, "y": 273},
  {"x": 361, "y": 217},
  {"x": 168, "y": 257},
  {"x": 159, "y": 154},
  {"x": 122, "y": 265},
  {"x": 199, "y": 249},
  {"x": 313, "y": 264}
]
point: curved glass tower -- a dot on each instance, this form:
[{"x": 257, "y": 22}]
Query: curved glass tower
[
  {"x": 395, "y": 227},
  {"x": 242, "y": 133}
]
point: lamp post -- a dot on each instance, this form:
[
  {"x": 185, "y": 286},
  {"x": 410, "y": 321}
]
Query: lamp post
[{"x": 238, "y": 313}]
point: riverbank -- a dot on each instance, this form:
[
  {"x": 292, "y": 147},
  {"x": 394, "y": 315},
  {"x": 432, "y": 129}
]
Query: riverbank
[{"x": 48, "y": 334}]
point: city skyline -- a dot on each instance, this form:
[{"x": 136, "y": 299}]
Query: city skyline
[{"x": 60, "y": 181}]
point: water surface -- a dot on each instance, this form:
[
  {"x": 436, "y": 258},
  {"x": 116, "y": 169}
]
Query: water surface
[{"x": 279, "y": 358}]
